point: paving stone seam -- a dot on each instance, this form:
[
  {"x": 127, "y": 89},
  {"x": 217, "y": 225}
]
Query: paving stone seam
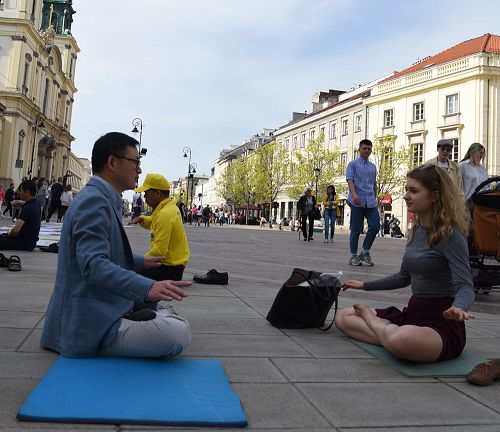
[{"x": 484, "y": 404}]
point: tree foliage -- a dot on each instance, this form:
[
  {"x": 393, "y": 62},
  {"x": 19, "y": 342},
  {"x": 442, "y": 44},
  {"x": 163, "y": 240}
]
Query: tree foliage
[
  {"x": 271, "y": 163},
  {"x": 303, "y": 163},
  {"x": 392, "y": 165}
]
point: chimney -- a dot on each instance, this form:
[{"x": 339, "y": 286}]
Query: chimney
[{"x": 321, "y": 100}]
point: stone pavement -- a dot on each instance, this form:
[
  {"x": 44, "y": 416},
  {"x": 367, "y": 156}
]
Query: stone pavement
[{"x": 288, "y": 380}]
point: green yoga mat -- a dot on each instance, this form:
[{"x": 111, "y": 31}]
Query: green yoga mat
[{"x": 458, "y": 367}]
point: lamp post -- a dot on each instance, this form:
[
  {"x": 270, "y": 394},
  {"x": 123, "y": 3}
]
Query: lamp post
[
  {"x": 38, "y": 124},
  {"x": 317, "y": 172},
  {"x": 186, "y": 151},
  {"x": 192, "y": 172},
  {"x": 138, "y": 122}
]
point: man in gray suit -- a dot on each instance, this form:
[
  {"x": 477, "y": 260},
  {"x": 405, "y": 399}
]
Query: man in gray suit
[{"x": 97, "y": 305}]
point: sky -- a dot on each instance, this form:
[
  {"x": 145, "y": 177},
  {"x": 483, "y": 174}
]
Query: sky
[{"x": 209, "y": 74}]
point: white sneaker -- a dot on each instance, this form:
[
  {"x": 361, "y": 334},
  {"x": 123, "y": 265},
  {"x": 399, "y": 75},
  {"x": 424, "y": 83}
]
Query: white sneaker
[{"x": 326, "y": 241}]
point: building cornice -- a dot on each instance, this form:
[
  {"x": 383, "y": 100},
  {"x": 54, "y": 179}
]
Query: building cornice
[{"x": 478, "y": 65}]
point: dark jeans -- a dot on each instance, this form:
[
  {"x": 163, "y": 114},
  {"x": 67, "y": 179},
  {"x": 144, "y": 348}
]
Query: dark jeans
[
  {"x": 164, "y": 272},
  {"x": 8, "y": 209},
  {"x": 54, "y": 205},
  {"x": 12, "y": 243},
  {"x": 304, "y": 218},
  {"x": 358, "y": 214},
  {"x": 61, "y": 212}
]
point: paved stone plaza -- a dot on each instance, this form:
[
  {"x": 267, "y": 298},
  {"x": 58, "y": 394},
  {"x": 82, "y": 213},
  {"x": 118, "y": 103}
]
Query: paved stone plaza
[{"x": 287, "y": 379}]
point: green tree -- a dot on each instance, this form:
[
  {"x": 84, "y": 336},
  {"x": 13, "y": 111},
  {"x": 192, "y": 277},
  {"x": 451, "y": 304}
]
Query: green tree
[
  {"x": 226, "y": 185},
  {"x": 244, "y": 183},
  {"x": 392, "y": 165},
  {"x": 271, "y": 167},
  {"x": 303, "y": 164}
]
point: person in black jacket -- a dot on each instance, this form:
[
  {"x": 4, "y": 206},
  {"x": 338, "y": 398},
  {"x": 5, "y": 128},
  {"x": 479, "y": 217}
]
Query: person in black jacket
[
  {"x": 306, "y": 206},
  {"x": 9, "y": 197}
]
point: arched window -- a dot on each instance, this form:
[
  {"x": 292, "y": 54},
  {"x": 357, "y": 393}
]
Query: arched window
[{"x": 20, "y": 146}]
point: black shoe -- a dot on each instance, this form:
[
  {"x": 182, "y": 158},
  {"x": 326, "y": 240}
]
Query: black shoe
[
  {"x": 305, "y": 238},
  {"x": 54, "y": 248},
  {"x": 212, "y": 277}
]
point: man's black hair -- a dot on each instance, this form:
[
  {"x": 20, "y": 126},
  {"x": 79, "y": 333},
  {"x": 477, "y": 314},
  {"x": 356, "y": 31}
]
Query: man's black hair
[
  {"x": 365, "y": 142},
  {"x": 28, "y": 186},
  {"x": 113, "y": 143}
]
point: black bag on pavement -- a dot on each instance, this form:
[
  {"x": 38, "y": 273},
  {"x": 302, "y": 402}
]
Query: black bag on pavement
[{"x": 304, "y": 300}]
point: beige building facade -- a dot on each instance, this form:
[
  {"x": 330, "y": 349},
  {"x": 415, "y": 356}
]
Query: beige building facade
[
  {"x": 454, "y": 94},
  {"x": 37, "y": 90}
]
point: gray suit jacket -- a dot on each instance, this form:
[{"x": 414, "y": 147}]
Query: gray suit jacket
[{"x": 96, "y": 284}]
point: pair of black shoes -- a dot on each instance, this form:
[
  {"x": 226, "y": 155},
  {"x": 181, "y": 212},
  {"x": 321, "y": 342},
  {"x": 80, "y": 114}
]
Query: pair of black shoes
[
  {"x": 13, "y": 263},
  {"x": 213, "y": 277}
]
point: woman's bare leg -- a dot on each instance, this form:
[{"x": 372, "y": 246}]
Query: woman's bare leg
[
  {"x": 353, "y": 325},
  {"x": 409, "y": 342}
]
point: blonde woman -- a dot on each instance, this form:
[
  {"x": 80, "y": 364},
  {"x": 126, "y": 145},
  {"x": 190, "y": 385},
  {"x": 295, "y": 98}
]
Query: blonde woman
[
  {"x": 472, "y": 170},
  {"x": 436, "y": 264}
]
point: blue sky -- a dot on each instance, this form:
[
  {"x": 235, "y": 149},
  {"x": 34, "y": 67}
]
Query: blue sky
[{"x": 209, "y": 74}]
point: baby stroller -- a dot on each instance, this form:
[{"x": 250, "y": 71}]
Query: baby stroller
[{"x": 485, "y": 262}]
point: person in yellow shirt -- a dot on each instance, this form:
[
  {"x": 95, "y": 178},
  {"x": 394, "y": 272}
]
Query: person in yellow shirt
[
  {"x": 168, "y": 238},
  {"x": 330, "y": 203}
]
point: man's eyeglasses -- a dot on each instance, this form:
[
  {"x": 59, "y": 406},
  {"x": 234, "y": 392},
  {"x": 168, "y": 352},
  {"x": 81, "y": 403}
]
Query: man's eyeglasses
[{"x": 136, "y": 161}]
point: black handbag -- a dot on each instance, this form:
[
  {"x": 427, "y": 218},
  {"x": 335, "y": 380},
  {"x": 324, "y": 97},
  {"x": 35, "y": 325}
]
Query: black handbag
[
  {"x": 316, "y": 213},
  {"x": 304, "y": 300}
]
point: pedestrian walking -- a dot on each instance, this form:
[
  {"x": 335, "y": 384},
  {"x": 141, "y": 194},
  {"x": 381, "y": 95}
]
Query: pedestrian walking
[
  {"x": 66, "y": 200},
  {"x": 56, "y": 190},
  {"x": 361, "y": 178},
  {"x": 330, "y": 212},
  {"x": 442, "y": 160},
  {"x": 9, "y": 196},
  {"x": 306, "y": 206}
]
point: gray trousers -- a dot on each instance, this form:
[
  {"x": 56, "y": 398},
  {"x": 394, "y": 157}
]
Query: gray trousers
[{"x": 164, "y": 336}]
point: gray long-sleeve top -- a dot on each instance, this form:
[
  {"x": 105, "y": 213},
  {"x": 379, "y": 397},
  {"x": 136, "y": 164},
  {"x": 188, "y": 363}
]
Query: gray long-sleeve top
[{"x": 439, "y": 271}]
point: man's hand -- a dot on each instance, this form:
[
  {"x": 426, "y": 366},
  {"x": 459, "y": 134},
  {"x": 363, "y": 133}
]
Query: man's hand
[
  {"x": 137, "y": 220},
  {"x": 167, "y": 290},
  {"x": 152, "y": 261},
  {"x": 356, "y": 199},
  {"x": 17, "y": 203},
  {"x": 457, "y": 314}
]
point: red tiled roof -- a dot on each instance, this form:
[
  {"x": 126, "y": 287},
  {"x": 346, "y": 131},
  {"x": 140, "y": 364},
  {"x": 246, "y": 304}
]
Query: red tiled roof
[{"x": 486, "y": 43}]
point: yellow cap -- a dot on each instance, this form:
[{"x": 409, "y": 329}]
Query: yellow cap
[{"x": 154, "y": 181}]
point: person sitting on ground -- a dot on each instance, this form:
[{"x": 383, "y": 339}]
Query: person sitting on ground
[
  {"x": 24, "y": 234},
  {"x": 436, "y": 264},
  {"x": 91, "y": 310},
  {"x": 168, "y": 238}
]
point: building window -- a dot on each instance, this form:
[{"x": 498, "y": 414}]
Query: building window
[
  {"x": 303, "y": 139},
  {"x": 388, "y": 118},
  {"x": 333, "y": 131},
  {"x": 312, "y": 132},
  {"x": 454, "y": 151},
  {"x": 357, "y": 123},
  {"x": 345, "y": 126},
  {"x": 287, "y": 143},
  {"x": 295, "y": 141},
  {"x": 45, "y": 96},
  {"x": 343, "y": 159},
  {"x": 452, "y": 104},
  {"x": 417, "y": 154},
  {"x": 418, "y": 111},
  {"x": 20, "y": 145},
  {"x": 322, "y": 130}
]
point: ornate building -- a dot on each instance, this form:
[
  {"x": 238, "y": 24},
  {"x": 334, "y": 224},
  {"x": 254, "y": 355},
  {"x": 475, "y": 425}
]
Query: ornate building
[{"x": 37, "y": 69}]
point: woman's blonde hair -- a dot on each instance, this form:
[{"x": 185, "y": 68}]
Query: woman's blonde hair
[
  {"x": 449, "y": 209},
  {"x": 473, "y": 149}
]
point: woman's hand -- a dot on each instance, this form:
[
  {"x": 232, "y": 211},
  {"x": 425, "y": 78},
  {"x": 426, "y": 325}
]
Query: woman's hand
[
  {"x": 354, "y": 284},
  {"x": 137, "y": 220},
  {"x": 457, "y": 314}
]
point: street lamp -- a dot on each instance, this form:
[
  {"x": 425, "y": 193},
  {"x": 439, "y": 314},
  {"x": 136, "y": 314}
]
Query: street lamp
[
  {"x": 192, "y": 172},
  {"x": 317, "y": 172},
  {"x": 186, "y": 151},
  {"x": 38, "y": 124},
  {"x": 138, "y": 122}
]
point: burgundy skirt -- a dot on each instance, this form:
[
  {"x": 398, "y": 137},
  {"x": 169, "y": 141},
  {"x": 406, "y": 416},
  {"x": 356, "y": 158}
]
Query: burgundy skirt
[{"x": 428, "y": 312}]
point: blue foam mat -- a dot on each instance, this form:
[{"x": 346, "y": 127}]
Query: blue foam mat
[{"x": 135, "y": 391}]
